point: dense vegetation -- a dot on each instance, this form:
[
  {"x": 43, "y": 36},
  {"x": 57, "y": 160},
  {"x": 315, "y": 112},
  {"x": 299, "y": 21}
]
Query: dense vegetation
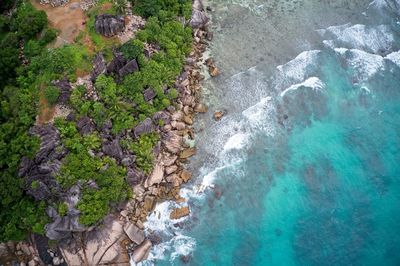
[{"x": 24, "y": 78}]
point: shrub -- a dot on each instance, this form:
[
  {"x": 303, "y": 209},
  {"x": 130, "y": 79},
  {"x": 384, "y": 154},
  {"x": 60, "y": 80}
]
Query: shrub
[
  {"x": 132, "y": 49},
  {"x": 51, "y": 94},
  {"x": 62, "y": 209}
]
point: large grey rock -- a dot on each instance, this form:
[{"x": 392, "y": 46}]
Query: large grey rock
[
  {"x": 130, "y": 67},
  {"x": 144, "y": 127},
  {"x": 149, "y": 94},
  {"x": 65, "y": 90},
  {"x": 85, "y": 125},
  {"x": 99, "y": 66},
  {"x": 113, "y": 149},
  {"x": 117, "y": 63},
  {"x": 134, "y": 176},
  {"x": 134, "y": 233},
  {"x": 199, "y": 19},
  {"x": 109, "y": 25}
]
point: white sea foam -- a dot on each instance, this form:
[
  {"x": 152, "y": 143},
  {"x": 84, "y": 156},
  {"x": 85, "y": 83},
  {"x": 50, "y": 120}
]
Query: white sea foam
[
  {"x": 260, "y": 116},
  {"x": 364, "y": 65},
  {"x": 313, "y": 82},
  {"x": 371, "y": 39},
  {"x": 297, "y": 69},
  {"x": 386, "y": 5},
  {"x": 237, "y": 141},
  {"x": 394, "y": 57}
]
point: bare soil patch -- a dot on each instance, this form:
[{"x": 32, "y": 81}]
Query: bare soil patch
[{"x": 69, "y": 20}]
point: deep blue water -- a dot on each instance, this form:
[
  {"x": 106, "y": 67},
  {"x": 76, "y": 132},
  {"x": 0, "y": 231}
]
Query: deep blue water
[{"x": 316, "y": 181}]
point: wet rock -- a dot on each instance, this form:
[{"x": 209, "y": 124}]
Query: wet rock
[
  {"x": 179, "y": 213},
  {"x": 149, "y": 203},
  {"x": 218, "y": 115},
  {"x": 130, "y": 67},
  {"x": 109, "y": 25},
  {"x": 185, "y": 259},
  {"x": 142, "y": 251},
  {"x": 188, "y": 120},
  {"x": 134, "y": 233},
  {"x": 99, "y": 66},
  {"x": 200, "y": 108},
  {"x": 209, "y": 36},
  {"x": 174, "y": 180},
  {"x": 214, "y": 71},
  {"x": 144, "y": 127},
  {"x": 187, "y": 153},
  {"x": 186, "y": 175},
  {"x": 198, "y": 20},
  {"x": 149, "y": 94}
]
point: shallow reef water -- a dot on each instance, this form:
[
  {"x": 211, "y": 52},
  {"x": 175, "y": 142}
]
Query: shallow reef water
[{"x": 307, "y": 171}]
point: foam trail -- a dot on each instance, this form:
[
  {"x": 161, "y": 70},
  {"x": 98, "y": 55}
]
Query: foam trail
[{"x": 313, "y": 82}]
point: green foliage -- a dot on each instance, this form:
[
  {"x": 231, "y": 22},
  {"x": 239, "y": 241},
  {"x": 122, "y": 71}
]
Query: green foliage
[
  {"x": 143, "y": 149},
  {"x": 62, "y": 208},
  {"x": 51, "y": 94},
  {"x": 132, "y": 49},
  {"x": 109, "y": 177},
  {"x": 167, "y": 9},
  {"x": 29, "y": 21},
  {"x": 120, "y": 6}
]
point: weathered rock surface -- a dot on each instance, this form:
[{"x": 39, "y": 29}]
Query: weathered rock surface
[
  {"x": 179, "y": 213},
  {"x": 117, "y": 63},
  {"x": 199, "y": 19},
  {"x": 142, "y": 251},
  {"x": 135, "y": 176},
  {"x": 187, "y": 153},
  {"x": 99, "y": 66},
  {"x": 149, "y": 94},
  {"x": 218, "y": 115},
  {"x": 144, "y": 127},
  {"x": 102, "y": 246},
  {"x": 134, "y": 233},
  {"x": 186, "y": 175},
  {"x": 156, "y": 176},
  {"x": 109, "y": 25},
  {"x": 113, "y": 149},
  {"x": 65, "y": 90},
  {"x": 173, "y": 142},
  {"x": 85, "y": 125},
  {"x": 128, "y": 68},
  {"x": 200, "y": 108}
]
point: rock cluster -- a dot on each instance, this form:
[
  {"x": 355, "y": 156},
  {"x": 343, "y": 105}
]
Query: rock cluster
[
  {"x": 118, "y": 66},
  {"x": 109, "y": 25},
  {"x": 65, "y": 90}
]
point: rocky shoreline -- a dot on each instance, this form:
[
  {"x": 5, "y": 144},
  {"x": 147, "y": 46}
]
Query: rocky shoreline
[{"x": 121, "y": 238}]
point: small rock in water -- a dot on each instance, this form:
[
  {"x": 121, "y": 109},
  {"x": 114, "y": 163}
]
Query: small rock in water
[
  {"x": 218, "y": 115},
  {"x": 214, "y": 71},
  {"x": 200, "y": 108},
  {"x": 179, "y": 213}
]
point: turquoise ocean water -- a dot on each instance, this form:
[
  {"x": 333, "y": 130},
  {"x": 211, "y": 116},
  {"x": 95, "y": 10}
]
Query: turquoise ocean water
[{"x": 310, "y": 174}]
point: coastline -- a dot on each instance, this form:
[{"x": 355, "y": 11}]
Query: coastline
[{"x": 120, "y": 238}]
